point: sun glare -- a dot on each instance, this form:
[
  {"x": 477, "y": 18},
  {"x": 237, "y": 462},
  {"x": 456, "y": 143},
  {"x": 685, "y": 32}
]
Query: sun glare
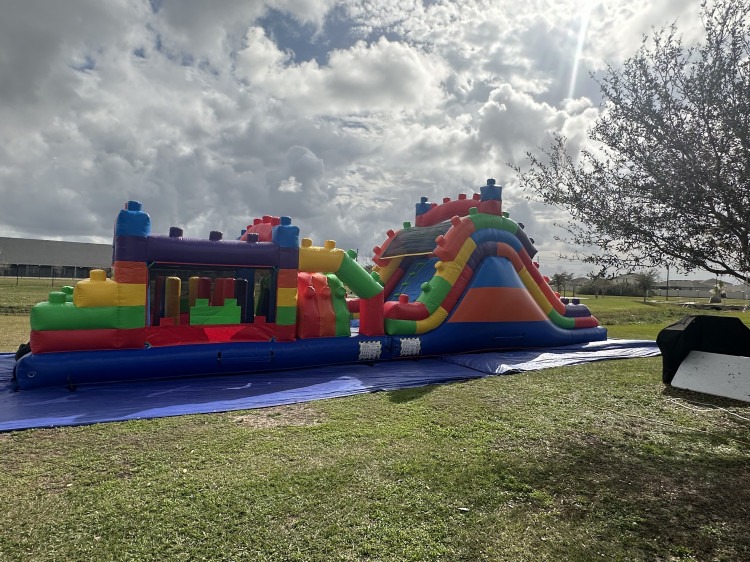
[{"x": 585, "y": 15}]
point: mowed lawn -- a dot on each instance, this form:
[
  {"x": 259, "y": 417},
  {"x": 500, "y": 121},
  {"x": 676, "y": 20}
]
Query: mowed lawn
[{"x": 594, "y": 462}]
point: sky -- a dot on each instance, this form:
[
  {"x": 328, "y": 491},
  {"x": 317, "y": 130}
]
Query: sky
[{"x": 340, "y": 115}]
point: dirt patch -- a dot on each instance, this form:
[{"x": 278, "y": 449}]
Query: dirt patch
[{"x": 280, "y": 416}]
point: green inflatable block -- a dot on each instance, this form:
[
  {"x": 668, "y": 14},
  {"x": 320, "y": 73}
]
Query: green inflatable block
[
  {"x": 395, "y": 327},
  {"x": 338, "y": 299},
  {"x": 357, "y": 279},
  {"x": 561, "y": 321},
  {"x": 56, "y": 315},
  {"x": 434, "y": 293},
  {"x": 286, "y": 315},
  {"x": 204, "y": 315},
  {"x": 68, "y": 290},
  {"x": 483, "y": 220}
]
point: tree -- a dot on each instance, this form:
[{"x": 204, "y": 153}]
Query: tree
[
  {"x": 645, "y": 281},
  {"x": 560, "y": 281},
  {"x": 668, "y": 176}
]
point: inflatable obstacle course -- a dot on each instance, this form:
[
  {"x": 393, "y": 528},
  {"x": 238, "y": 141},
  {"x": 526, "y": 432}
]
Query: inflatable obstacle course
[{"x": 461, "y": 279}]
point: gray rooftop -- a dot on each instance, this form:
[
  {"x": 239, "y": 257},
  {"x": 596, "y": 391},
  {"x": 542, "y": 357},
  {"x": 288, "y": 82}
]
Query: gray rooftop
[{"x": 24, "y": 251}]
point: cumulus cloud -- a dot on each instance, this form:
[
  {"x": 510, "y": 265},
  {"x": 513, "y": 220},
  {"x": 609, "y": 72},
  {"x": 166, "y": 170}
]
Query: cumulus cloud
[{"x": 341, "y": 114}]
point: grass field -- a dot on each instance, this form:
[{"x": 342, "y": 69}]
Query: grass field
[{"x": 594, "y": 462}]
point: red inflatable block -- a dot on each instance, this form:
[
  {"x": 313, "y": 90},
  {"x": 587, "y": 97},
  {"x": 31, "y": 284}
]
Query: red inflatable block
[
  {"x": 371, "y": 316},
  {"x": 405, "y": 310},
  {"x": 586, "y": 322},
  {"x": 163, "y": 336},
  {"x": 48, "y": 341}
]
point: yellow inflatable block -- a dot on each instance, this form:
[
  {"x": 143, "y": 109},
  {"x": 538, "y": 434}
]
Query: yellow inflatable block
[
  {"x": 286, "y": 297},
  {"x": 465, "y": 252},
  {"x": 535, "y": 291},
  {"x": 448, "y": 271},
  {"x": 172, "y": 290},
  {"x": 131, "y": 294},
  {"x": 97, "y": 290},
  {"x": 314, "y": 259},
  {"x": 432, "y": 321}
]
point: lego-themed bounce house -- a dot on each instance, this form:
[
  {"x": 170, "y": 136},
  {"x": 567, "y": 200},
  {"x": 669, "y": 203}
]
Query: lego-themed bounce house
[{"x": 461, "y": 279}]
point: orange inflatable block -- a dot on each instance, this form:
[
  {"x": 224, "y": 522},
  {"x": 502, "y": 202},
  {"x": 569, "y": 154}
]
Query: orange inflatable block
[
  {"x": 130, "y": 272},
  {"x": 286, "y": 279},
  {"x": 498, "y": 304}
]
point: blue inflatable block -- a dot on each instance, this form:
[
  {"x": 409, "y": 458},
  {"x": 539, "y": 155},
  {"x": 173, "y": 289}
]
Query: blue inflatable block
[
  {"x": 132, "y": 221},
  {"x": 285, "y": 234},
  {"x": 527, "y": 245},
  {"x": 496, "y": 272},
  {"x": 420, "y": 271},
  {"x": 423, "y": 206},
  {"x": 497, "y": 235},
  {"x": 491, "y": 192}
]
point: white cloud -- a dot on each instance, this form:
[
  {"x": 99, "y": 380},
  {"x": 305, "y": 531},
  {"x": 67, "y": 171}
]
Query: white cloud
[{"x": 199, "y": 111}]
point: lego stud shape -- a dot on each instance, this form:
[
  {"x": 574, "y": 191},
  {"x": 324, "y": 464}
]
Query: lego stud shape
[{"x": 56, "y": 297}]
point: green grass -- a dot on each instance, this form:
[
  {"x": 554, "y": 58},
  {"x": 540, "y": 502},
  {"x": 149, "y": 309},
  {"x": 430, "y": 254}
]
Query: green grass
[
  {"x": 597, "y": 461},
  {"x": 631, "y": 318},
  {"x": 19, "y": 297}
]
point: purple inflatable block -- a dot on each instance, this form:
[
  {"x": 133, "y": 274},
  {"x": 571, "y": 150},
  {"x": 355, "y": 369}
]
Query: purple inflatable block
[
  {"x": 288, "y": 258},
  {"x": 130, "y": 248},
  {"x": 163, "y": 249}
]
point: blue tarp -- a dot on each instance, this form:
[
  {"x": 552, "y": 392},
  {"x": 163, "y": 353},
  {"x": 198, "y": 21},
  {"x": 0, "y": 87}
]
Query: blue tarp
[{"x": 95, "y": 403}]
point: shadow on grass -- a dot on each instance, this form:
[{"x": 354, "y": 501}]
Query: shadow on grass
[
  {"x": 643, "y": 495},
  {"x": 408, "y": 394},
  {"x": 701, "y": 399}
]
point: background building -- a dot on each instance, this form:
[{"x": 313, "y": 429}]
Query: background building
[{"x": 23, "y": 257}]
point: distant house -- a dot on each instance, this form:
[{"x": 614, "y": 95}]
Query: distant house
[
  {"x": 689, "y": 289},
  {"x": 24, "y": 257}
]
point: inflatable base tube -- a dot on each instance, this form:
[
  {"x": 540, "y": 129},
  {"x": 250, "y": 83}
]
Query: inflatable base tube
[
  {"x": 76, "y": 368},
  {"x": 86, "y": 367}
]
